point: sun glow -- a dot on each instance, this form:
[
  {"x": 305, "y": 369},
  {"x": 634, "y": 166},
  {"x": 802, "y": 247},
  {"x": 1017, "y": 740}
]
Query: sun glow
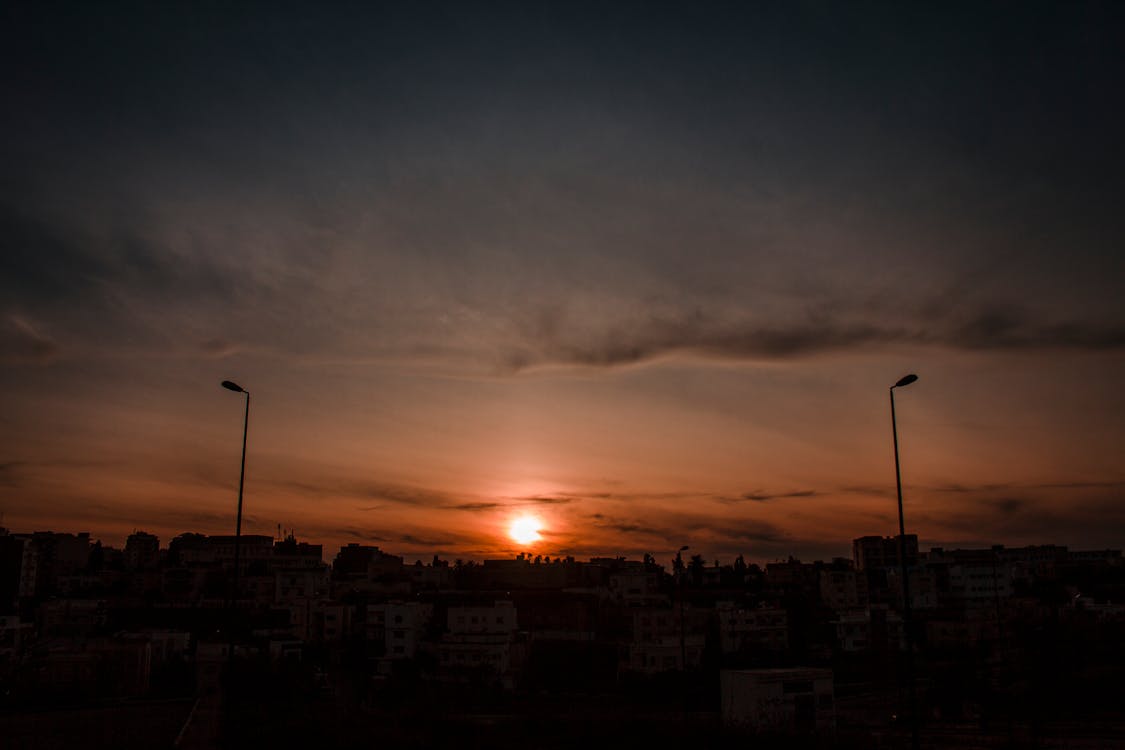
[{"x": 525, "y": 530}]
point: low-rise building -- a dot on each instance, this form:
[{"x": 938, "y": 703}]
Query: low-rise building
[
  {"x": 481, "y": 645},
  {"x": 843, "y": 588},
  {"x": 744, "y": 630},
  {"x": 399, "y": 627},
  {"x": 784, "y": 701},
  {"x": 667, "y": 639},
  {"x": 876, "y": 628}
]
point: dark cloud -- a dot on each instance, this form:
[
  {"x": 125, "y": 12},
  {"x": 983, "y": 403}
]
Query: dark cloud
[
  {"x": 549, "y": 500},
  {"x": 761, "y": 497},
  {"x": 1081, "y": 485},
  {"x": 629, "y": 526},
  {"x": 692, "y": 332},
  {"x": 999, "y": 329},
  {"x": 707, "y": 531},
  {"x": 201, "y": 519},
  {"x": 424, "y": 542},
  {"x": 740, "y": 530},
  {"x": 419, "y": 537},
  {"x": 990, "y": 487},
  {"x": 699, "y": 333},
  {"x": 1027, "y": 520},
  {"x": 52, "y": 261},
  {"x": 1009, "y": 505},
  {"x": 22, "y": 343},
  {"x": 636, "y": 528},
  {"x": 963, "y": 489},
  {"x": 392, "y": 493},
  {"x": 476, "y": 506},
  {"x": 484, "y": 505},
  {"x": 367, "y": 536}
]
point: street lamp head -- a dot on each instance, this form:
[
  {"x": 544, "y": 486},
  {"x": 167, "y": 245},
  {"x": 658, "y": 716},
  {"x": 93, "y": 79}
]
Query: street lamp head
[
  {"x": 907, "y": 380},
  {"x": 233, "y": 387}
]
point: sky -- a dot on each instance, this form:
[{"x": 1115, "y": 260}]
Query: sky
[{"x": 642, "y": 271}]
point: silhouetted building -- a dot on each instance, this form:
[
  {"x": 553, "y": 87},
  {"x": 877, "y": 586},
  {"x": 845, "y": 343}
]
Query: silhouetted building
[
  {"x": 398, "y": 627},
  {"x": 793, "y": 577},
  {"x": 925, "y": 587},
  {"x": 752, "y": 631},
  {"x": 962, "y": 629},
  {"x": 289, "y": 553},
  {"x": 72, "y": 617},
  {"x": 48, "y": 556},
  {"x": 14, "y": 637},
  {"x": 437, "y": 576},
  {"x": 522, "y": 573},
  {"x": 11, "y": 568},
  {"x": 787, "y": 701},
  {"x": 361, "y": 562},
  {"x": 842, "y": 588},
  {"x": 481, "y": 645},
  {"x": 667, "y": 639},
  {"x": 877, "y": 629},
  {"x": 186, "y": 549},
  {"x": 876, "y": 552},
  {"x": 142, "y": 551}
]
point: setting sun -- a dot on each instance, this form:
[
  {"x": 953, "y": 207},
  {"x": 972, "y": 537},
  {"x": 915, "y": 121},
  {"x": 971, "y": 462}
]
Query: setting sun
[{"x": 525, "y": 530}]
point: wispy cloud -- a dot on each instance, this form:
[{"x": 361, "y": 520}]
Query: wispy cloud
[
  {"x": 219, "y": 348},
  {"x": 430, "y": 542},
  {"x": 549, "y": 500},
  {"x": 696, "y": 332},
  {"x": 22, "y": 342},
  {"x": 992, "y": 487},
  {"x": 763, "y": 497},
  {"x": 740, "y": 530},
  {"x": 962, "y": 489},
  {"x": 476, "y": 506},
  {"x": 363, "y": 489},
  {"x": 630, "y": 527}
]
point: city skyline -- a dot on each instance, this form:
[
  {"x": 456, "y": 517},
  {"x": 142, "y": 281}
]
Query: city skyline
[{"x": 645, "y": 275}]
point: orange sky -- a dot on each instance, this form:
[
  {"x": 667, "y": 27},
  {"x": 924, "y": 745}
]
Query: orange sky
[{"x": 763, "y": 460}]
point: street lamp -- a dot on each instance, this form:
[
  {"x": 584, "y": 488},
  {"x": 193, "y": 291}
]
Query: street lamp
[
  {"x": 906, "y": 619},
  {"x": 241, "y": 478}
]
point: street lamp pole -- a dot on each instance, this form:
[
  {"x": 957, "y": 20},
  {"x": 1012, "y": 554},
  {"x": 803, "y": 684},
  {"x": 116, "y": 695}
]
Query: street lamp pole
[
  {"x": 906, "y": 618},
  {"x": 680, "y": 591},
  {"x": 241, "y": 480}
]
